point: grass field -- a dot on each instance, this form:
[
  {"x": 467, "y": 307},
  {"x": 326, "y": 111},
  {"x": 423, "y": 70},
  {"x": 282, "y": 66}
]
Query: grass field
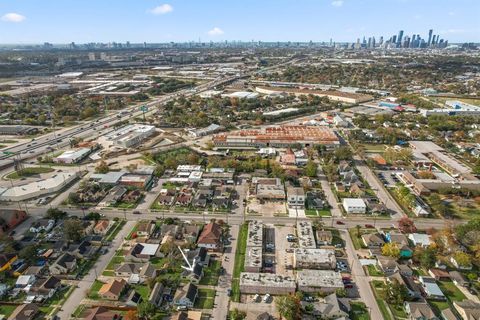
[
  {"x": 211, "y": 274},
  {"x": 374, "y": 272},
  {"x": 205, "y": 299},
  {"x": 115, "y": 229},
  {"x": 357, "y": 241},
  {"x": 359, "y": 311},
  {"x": 7, "y": 310},
  {"x": 28, "y": 172},
  {"x": 239, "y": 262}
]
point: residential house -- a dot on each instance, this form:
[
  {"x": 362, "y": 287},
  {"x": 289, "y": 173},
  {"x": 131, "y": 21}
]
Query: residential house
[
  {"x": 373, "y": 240},
  {"x": 458, "y": 279},
  {"x": 133, "y": 299},
  {"x": 102, "y": 227},
  {"x": 186, "y": 295},
  {"x": 419, "y": 311},
  {"x": 439, "y": 274},
  {"x": 145, "y": 228},
  {"x": 136, "y": 272},
  {"x": 113, "y": 289},
  {"x": 44, "y": 289},
  {"x": 166, "y": 197},
  {"x": 83, "y": 250},
  {"x": 3, "y": 289},
  {"x": 348, "y": 178},
  {"x": 64, "y": 264},
  {"x": 40, "y": 225},
  {"x": 420, "y": 239},
  {"x": 188, "y": 315},
  {"x": 211, "y": 237},
  {"x": 331, "y": 307},
  {"x": 405, "y": 270},
  {"x": 10, "y": 218},
  {"x": 24, "y": 281},
  {"x": 156, "y": 295},
  {"x": 295, "y": 197},
  {"x": 388, "y": 265},
  {"x": 431, "y": 289},
  {"x": 35, "y": 271},
  {"x": 343, "y": 167},
  {"x": 468, "y": 309},
  {"x": 26, "y": 311},
  {"x": 143, "y": 252},
  {"x": 407, "y": 282},
  {"x": 102, "y": 313},
  {"x": 6, "y": 261}
]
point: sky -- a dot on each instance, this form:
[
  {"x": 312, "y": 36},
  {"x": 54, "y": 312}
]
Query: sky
[{"x": 81, "y": 21}]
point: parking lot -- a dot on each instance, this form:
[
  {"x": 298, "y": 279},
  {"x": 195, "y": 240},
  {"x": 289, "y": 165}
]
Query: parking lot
[
  {"x": 388, "y": 178},
  {"x": 283, "y": 257}
]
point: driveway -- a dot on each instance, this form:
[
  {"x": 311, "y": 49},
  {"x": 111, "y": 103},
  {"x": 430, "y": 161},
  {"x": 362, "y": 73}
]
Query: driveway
[
  {"x": 362, "y": 281},
  {"x": 380, "y": 191},
  {"x": 332, "y": 201},
  {"x": 83, "y": 285},
  {"x": 220, "y": 310}
]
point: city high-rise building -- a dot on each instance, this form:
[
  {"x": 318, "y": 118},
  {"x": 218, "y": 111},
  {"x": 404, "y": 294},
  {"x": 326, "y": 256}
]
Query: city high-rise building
[
  {"x": 400, "y": 36},
  {"x": 430, "y": 33}
]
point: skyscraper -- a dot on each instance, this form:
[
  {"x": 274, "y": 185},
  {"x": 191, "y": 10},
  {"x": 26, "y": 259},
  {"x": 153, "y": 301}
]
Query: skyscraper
[
  {"x": 430, "y": 33},
  {"x": 400, "y": 36}
]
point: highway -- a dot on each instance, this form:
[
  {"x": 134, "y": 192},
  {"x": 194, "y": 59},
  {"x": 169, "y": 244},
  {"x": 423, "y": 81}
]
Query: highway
[{"x": 61, "y": 138}]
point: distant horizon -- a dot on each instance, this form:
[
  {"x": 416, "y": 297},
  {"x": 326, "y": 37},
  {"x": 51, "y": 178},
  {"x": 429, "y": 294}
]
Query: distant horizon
[{"x": 162, "y": 21}]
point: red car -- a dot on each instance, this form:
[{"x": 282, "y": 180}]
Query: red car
[
  {"x": 340, "y": 222},
  {"x": 369, "y": 226}
]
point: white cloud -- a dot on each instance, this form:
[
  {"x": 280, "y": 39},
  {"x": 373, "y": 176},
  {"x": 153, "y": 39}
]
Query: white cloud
[
  {"x": 215, "y": 32},
  {"x": 162, "y": 9},
  {"x": 13, "y": 17},
  {"x": 337, "y": 3}
]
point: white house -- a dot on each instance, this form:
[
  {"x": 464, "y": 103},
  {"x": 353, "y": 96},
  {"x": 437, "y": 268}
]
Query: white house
[
  {"x": 354, "y": 205},
  {"x": 420, "y": 239}
]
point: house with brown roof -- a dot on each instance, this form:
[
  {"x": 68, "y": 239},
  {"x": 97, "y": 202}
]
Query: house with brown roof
[
  {"x": 25, "y": 312},
  {"x": 419, "y": 311},
  {"x": 211, "y": 237},
  {"x": 373, "y": 240},
  {"x": 101, "y": 227},
  {"x": 145, "y": 228},
  {"x": 113, "y": 289},
  {"x": 468, "y": 309},
  {"x": 101, "y": 313},
  {"x": 439, "y": 274}
]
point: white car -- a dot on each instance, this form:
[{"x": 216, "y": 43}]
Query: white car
[
  {"x": 266, "y": 298},
  {"x": 256, "y": 297}
]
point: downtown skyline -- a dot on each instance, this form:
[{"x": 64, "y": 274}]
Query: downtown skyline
[{"x": 57, "y": 21}]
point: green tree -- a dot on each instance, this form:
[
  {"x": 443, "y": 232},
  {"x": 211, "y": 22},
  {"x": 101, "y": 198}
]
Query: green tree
[
  {"x": 463, "y": 259},
  {"x": 55, "y": 214},
  {"x": 236, "y": 314},
  {"x": 391, "y": 249},
  {"x": 311, "y": 169},
  {"x": 395, "y": 293},
  {"x": 146, "y": 310},
  {"x": 72, "y": 230},
  {"x": 73, "y": 198},
  {"x": 289, "y": 307},
  {"x": 102, "y": 167}
]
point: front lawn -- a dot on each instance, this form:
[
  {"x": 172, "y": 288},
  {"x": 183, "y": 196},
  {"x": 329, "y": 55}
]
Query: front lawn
[
  {"x": 359, "y": 311},
  {"x": 239, "y": 261},
  {"x": 451, "y": 291},
  {"x": 211, "y": 274},
  {"x": 374, "y": 272},
  {"x": 205, "y": 299},
  {"x": 93, "y": 292},
  {"x": 7, "y": 309},
  {"x": 357, "y": 241}
]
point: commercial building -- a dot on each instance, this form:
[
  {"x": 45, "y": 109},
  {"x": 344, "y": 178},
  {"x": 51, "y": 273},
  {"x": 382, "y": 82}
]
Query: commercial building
[
  {"x": 72, "y": 156},
  {"x": 325, "y": 281},
  {"x": 263, "y": 283},
  {"x": 278, "y": 136},
  {"x": 306, "y": 238},
  {"x": 17, "y": 130},
  {"x": 213, "y": 128},
  {"x": 332, "y": 95},
  {"x": 267, "y": 189},
  {"x": 454, "y": 108},
  {"x": 242, "y": 95},
  {"x": 323, "y": 259},
  {"x": 354, "y": 205},
  {"x": 130, "y": 135},
  {"x": 38, "y": 188}
]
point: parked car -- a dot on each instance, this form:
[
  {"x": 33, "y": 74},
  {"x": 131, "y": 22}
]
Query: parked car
[
  {"x": 370, "y": 226},
  {"x": 266, "y": 298},
  {"x": 340, "y": 222},
  {"x": 136, "y": 212}
]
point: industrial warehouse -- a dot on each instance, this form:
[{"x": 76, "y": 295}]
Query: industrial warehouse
[{"x": 278, "y": 136}]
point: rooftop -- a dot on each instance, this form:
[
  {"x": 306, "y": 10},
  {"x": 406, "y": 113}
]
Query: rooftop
[
  {"x": 319, "y": 278},
  {"x": 266, "y": 279}
]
